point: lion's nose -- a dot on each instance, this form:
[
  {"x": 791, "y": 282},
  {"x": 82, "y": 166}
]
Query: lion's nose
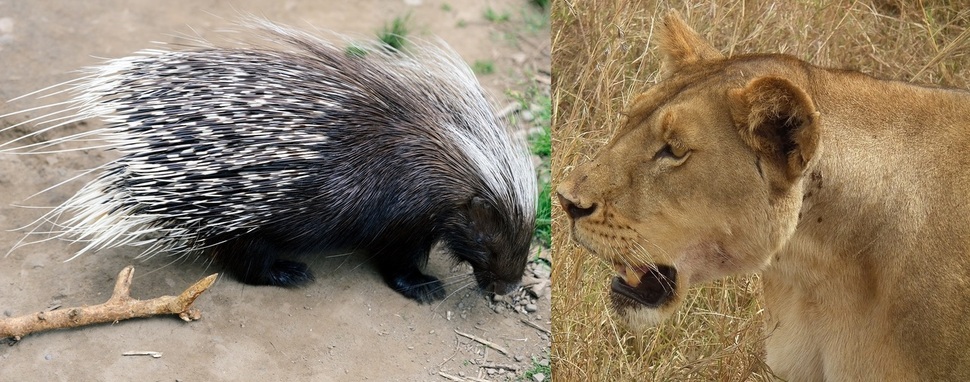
[{"x": 574, "y": 210}]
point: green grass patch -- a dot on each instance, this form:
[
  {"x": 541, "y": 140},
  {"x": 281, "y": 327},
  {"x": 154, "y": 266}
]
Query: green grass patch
[
  {"x": 540, "y": 144},
  {"x": 537, "y": 368},
  {"x": 535, "y": 21},
  {"x": 496, "y": 16},
  {"x": 394, "y": 34},
  {"x": 544, "y": 214},
  {"x": 355, "y": 51},
  {"x": 481, "y": 67}
]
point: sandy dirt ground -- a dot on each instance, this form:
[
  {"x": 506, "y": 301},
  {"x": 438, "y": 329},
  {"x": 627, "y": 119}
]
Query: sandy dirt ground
[{"x": 347, "y": 326}]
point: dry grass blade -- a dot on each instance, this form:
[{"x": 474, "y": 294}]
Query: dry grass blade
[
  {"x": 953, "y": 47},
  {"x": 602, "y": 57}
]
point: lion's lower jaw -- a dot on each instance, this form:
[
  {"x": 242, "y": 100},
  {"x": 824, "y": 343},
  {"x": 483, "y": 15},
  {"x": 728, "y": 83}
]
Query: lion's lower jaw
[{"x": 641, "y": 319}]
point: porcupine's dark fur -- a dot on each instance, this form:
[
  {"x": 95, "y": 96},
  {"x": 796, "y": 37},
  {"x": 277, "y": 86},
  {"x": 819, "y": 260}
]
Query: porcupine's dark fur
[{"x": 256, "y": 152}]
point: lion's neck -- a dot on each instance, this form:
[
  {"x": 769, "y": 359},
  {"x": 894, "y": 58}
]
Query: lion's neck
[
  {"x": 885, "y": 218},
  {"x": 874, "y": 189}
]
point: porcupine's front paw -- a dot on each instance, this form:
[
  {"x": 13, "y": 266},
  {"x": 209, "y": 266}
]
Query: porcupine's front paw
[{"x": 416, "y": 286}]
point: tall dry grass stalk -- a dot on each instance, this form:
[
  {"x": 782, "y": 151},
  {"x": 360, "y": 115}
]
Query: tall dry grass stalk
[{"x": 603, "y": 56}]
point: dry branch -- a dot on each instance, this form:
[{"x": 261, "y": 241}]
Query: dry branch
[
  {"x": 451, "y": 377},
  {"x": 534, "y": 326},
  {"x": 511, "y": 368},
  {"x": 153, "y": 354},
  {"x": 119, "y": 307},
  {"x": 456, "y": 378},
  {"x": 484, "y": 342}
]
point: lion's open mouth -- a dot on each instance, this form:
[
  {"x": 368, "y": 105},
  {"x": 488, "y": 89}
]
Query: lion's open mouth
[{"x": 651, "y": 286}]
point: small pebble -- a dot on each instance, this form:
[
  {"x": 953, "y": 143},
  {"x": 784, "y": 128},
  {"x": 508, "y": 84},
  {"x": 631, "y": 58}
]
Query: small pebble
[
  {"x": 531, "y": 308},
  {"x": 538, "y": 377},
  {"x": 539, "y": 289},
  {"x": 519, "y": 358}
]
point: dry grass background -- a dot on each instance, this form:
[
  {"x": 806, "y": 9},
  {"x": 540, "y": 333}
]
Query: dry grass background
[{"x": 603, "y": 56}]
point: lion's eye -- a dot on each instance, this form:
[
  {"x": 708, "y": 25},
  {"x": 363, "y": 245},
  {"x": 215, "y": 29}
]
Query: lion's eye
[{"x": 669, "y": 151}]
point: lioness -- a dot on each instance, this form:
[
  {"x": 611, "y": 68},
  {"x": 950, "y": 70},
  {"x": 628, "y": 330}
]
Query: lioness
[{"x": 850, "y": 194}]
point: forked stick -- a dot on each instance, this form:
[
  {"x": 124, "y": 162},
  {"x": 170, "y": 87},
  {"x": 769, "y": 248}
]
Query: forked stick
[{"x": 119, "y": 307}]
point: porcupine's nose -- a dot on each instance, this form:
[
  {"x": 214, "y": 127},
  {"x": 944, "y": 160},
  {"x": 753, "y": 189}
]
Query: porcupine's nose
[
  {"x": 574, "y": 210},
  {"x": 502, "y": 288}
]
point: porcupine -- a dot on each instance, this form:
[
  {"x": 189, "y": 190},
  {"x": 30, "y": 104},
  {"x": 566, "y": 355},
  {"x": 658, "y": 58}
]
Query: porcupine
[{"x": 296, "y": 146}]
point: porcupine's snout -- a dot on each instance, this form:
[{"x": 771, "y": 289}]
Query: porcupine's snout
[
  {"x": 500, "y": 287},
  {"x": 503, "y": 273},
  {"x": 498, "y": 249}
]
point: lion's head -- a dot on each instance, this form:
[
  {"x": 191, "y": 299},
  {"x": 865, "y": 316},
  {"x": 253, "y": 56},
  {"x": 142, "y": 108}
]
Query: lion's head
[{"x": 703, "y": 178}]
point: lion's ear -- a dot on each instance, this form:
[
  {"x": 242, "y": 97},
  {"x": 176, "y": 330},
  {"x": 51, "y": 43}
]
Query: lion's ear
[
  {"x": 778, "y": 119},
  {"x": 681, "y": 46}
]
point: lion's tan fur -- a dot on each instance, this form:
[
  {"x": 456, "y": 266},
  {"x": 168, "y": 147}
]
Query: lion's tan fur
[{"x": 850, "y": 194}]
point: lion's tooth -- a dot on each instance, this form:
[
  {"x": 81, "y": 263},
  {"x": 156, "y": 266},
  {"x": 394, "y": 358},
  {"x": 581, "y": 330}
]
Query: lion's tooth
[{"x": 631, "y": 277}]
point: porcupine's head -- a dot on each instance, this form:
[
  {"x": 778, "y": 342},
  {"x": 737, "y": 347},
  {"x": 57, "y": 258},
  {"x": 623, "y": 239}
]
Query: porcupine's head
[
  {"x": 494, "y": 221},
  {"x": 495, "y": 241}
]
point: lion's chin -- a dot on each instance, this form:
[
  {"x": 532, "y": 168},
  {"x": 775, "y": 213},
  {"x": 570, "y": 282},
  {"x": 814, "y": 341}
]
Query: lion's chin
[
  {"x": 644, "y": 296},
  {"x": 640, "y": 319}
]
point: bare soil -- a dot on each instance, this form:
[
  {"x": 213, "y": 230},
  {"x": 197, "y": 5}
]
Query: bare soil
[{"x": 346, "y": 326}]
